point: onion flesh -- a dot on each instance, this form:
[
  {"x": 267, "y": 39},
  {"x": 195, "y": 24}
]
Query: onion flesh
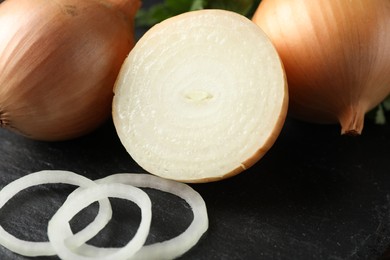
[
  {"x": 201, "y": 97},
  {"x": 171, "y": 248},
  {"x": 72, "y": 246},
  {"x": 58, "y": 233},
  {"x": 29, "y": 248}
]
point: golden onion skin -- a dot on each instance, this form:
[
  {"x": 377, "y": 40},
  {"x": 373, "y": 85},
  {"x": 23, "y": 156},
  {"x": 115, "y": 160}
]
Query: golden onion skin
[
  {"x": 336, "y": 55},
  {"x": 58, "y": 64}
]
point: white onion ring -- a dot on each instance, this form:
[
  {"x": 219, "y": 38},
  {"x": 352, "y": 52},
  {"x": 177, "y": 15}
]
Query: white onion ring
[
  {"x": 71, "y": 246},
  {"x": 171, "y": 248},
  {"x": 58, "y": 232},
  {"x": 29, "y": 248}
]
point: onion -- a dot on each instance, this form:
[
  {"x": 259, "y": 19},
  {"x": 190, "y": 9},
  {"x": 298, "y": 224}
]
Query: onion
[
  {"x": 58, "y": 64},
  {"x": 28, "y": 248},
  {"x": 336, "y": 56},
  {"x": 72, "y": 246},
  {"x": 58, "y": 231},
  {"x": 169, "y": 249},
  {"x": 201, "y": 97}
]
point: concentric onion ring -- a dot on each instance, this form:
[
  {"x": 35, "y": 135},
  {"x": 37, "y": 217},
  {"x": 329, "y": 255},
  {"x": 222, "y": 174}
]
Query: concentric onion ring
[
  {"x": 168, "y": 249},
  {"x": 58, "y": 232},
  {"x": 72, "y": 246},
  {"x": 28, "y": 248}
]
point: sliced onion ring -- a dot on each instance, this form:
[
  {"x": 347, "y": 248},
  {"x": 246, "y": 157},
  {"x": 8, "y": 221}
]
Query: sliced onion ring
[
  {"x": 58, "y": 232},
  {"x": 72, "y": 246},
  {"x": 29, "y": 248},
  {"x": 171, "y": 248}
]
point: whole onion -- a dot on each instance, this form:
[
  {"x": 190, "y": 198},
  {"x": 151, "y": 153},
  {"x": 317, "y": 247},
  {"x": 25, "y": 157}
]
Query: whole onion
[
  {"x": 58, "y": 63},
  {"x": 336, "y": 55}
]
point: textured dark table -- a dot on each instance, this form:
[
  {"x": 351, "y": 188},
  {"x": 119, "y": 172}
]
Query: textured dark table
[{"x": 315, "y": 195}]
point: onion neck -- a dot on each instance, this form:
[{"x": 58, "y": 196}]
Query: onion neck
[{"x": 352, "y": 121}]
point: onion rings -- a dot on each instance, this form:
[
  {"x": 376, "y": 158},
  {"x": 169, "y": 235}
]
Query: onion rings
[
  {"x": 29, "y": 248},
  {"x": 58, "y": 232},
  {"x": 126, "y": 186}
]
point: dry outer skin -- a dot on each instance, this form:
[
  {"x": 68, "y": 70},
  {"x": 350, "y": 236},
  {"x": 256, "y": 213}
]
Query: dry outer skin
[
  {"x": 336, "y": 56},
  {"x": 201, "y": 97},
  {"x": 58, "y": 64}
]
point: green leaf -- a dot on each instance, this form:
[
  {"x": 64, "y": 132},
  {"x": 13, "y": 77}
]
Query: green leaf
[
  {"x": 178, "y": 6},
  {"x": 386, "y": 104},
  {"x": 198, "y": 5},
  {"x": 169, "y": 8},
  {"x": 380, "y": 117},
  {"x": 162, "y": 11},
  {"x": 156, "y": 14},
  {"x": 239, "y": 6}
]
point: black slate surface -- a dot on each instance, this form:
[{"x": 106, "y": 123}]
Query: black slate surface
[{"x": 315, "y": 195}]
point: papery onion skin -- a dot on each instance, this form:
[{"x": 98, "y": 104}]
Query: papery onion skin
[
  {"x": 58, "y": 63},
  {"x": 336, "y": 55}
]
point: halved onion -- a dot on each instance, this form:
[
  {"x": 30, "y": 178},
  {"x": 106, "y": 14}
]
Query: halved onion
[
  {"x": 201, "y": 97},
  {"x": 29, "y": 248},
  {"x": 58, "y": 231}
]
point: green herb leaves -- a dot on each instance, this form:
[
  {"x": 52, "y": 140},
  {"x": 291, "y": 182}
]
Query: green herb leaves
[{"x": 169, "y": 8}]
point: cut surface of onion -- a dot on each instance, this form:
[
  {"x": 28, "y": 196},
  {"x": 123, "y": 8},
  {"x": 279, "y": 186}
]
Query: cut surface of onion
[
  {"x": 29, "y": 248},
  {"x": 171, "y": 248},
  {"x": 201, "y": 97},
  {"x": 58, "y": 233}
]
